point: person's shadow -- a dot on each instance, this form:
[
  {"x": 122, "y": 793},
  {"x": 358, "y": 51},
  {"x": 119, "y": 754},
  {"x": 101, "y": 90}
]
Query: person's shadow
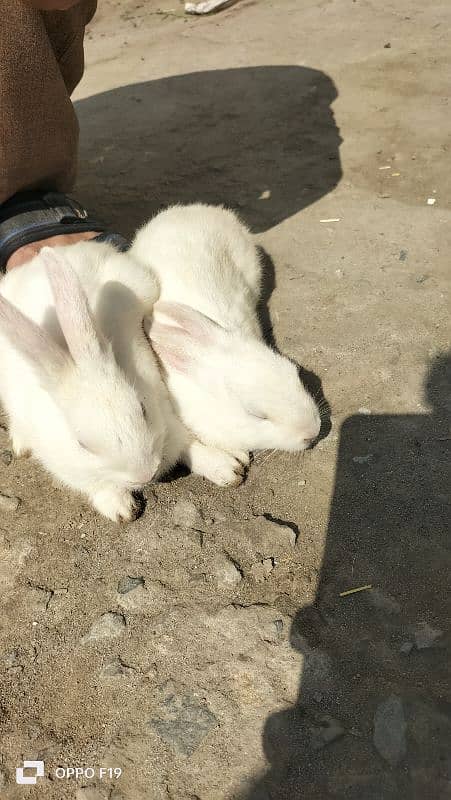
[
  {"x": 373, "y": 717},
  {"x": 260, "y": 140}
]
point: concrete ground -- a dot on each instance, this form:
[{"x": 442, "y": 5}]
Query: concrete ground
[{"x": 205, "y": 649}]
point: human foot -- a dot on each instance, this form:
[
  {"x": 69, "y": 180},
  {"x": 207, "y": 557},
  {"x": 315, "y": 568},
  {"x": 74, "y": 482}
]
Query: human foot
[
  {"x": 29, "y": 251},
  {"x": 31, "y": 220}
]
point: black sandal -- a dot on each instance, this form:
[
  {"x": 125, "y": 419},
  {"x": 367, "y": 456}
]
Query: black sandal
[{"x": 28, "y": 217}]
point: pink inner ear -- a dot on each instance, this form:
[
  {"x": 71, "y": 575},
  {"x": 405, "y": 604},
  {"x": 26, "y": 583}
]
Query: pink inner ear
[
  {"x": 170, "y": 344},
  {"x": 31, "y": 340},
  {"x": 170, "y": 358},
  {"x": 196, "y": 325},
  {"x": 72, "y": 307}
]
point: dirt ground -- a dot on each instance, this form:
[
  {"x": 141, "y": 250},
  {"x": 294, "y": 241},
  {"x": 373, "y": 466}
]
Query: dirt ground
[{"x": 205, "y": 649}]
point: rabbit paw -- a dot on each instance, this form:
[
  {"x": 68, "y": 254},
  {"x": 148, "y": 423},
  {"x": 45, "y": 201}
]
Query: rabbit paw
[
  {"x": 219, "y": 467},
  {"x": 119, "y": 505},
  {"x": 242, "y": 456}
]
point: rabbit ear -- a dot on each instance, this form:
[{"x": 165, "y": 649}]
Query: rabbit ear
[
  {"x": 170, "y": 345},
  {"x": 176, "y": 333},
  {"x": 72, "y": 309},
  {"x": 32, "y": 342},
  {"x": 201, "y": 328}
]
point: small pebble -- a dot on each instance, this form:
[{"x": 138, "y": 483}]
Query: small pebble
[
  {"x": 6, "y": 457},
  {"x": 128, "y": 583},
  {"x": 11, "y": 659},
  {"x": 330, "y": 730},
  {"x": 426, "y": 636},
  {"x": 270, "y": 538},
  {"x": 268, "y": 565},
  {"x": 302, "y": 483},
  {"x": 431, "y": 201},
  {"x": 16, "y": 670},
  {"x": 108, "y": 626},
  {"x": 89, "y": 793},
  {"x": 115, "y": 667},
  {"x": 225, "y": 572},
  {"x": 183, "y": 721},
  {"x": 406, "y": 648},
  {"x": 9, "y": 503},
  {"x": 387, "y": 46},
  {"x": 278, "y": 624},
  {"x": 402, "y": 255},
  {"x": 362, "y": 459},
  {"x": 186, "y": 515},
  {"x": 421, "y": 278},
  {"x": 390, "y": 730}
]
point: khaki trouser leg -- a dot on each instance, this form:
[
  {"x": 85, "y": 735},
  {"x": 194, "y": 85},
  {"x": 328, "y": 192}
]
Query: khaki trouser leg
[{"x": 41, "y": 62}]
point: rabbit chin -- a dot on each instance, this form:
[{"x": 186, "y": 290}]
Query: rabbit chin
[{"x": 284, "y": 437}]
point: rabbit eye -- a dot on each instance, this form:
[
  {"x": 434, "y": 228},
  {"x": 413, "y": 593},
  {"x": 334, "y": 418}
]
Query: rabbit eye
[
  {"x": 83, "y": 446},
  {"x": 258, "y": 415}
]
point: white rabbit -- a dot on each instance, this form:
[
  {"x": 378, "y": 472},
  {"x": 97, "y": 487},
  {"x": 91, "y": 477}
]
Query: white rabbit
[
  {"x": 80, "y": 384},
  {"x": 229, "y": 388},
  {"x": 69, "y": 402}
]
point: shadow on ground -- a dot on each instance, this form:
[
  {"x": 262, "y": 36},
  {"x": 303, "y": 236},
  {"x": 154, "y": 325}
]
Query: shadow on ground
[
  {"x": 261, "y": 140},
  {"x": 373, "y": 718}
]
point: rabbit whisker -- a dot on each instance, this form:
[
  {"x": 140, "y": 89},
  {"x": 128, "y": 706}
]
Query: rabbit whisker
[{"x": 264, "y": 460}]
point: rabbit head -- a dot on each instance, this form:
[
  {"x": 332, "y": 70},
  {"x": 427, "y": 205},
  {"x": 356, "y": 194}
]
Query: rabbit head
[
  {"x": 243, "y": 393},
  {"x": 101, "y": 408}
]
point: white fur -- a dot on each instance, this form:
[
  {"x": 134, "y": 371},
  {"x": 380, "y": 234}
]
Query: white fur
[
  {"x": 75, "y": 367},
  {"x": 229, "y": 388},
  {"x": 68, "y": 392}
]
